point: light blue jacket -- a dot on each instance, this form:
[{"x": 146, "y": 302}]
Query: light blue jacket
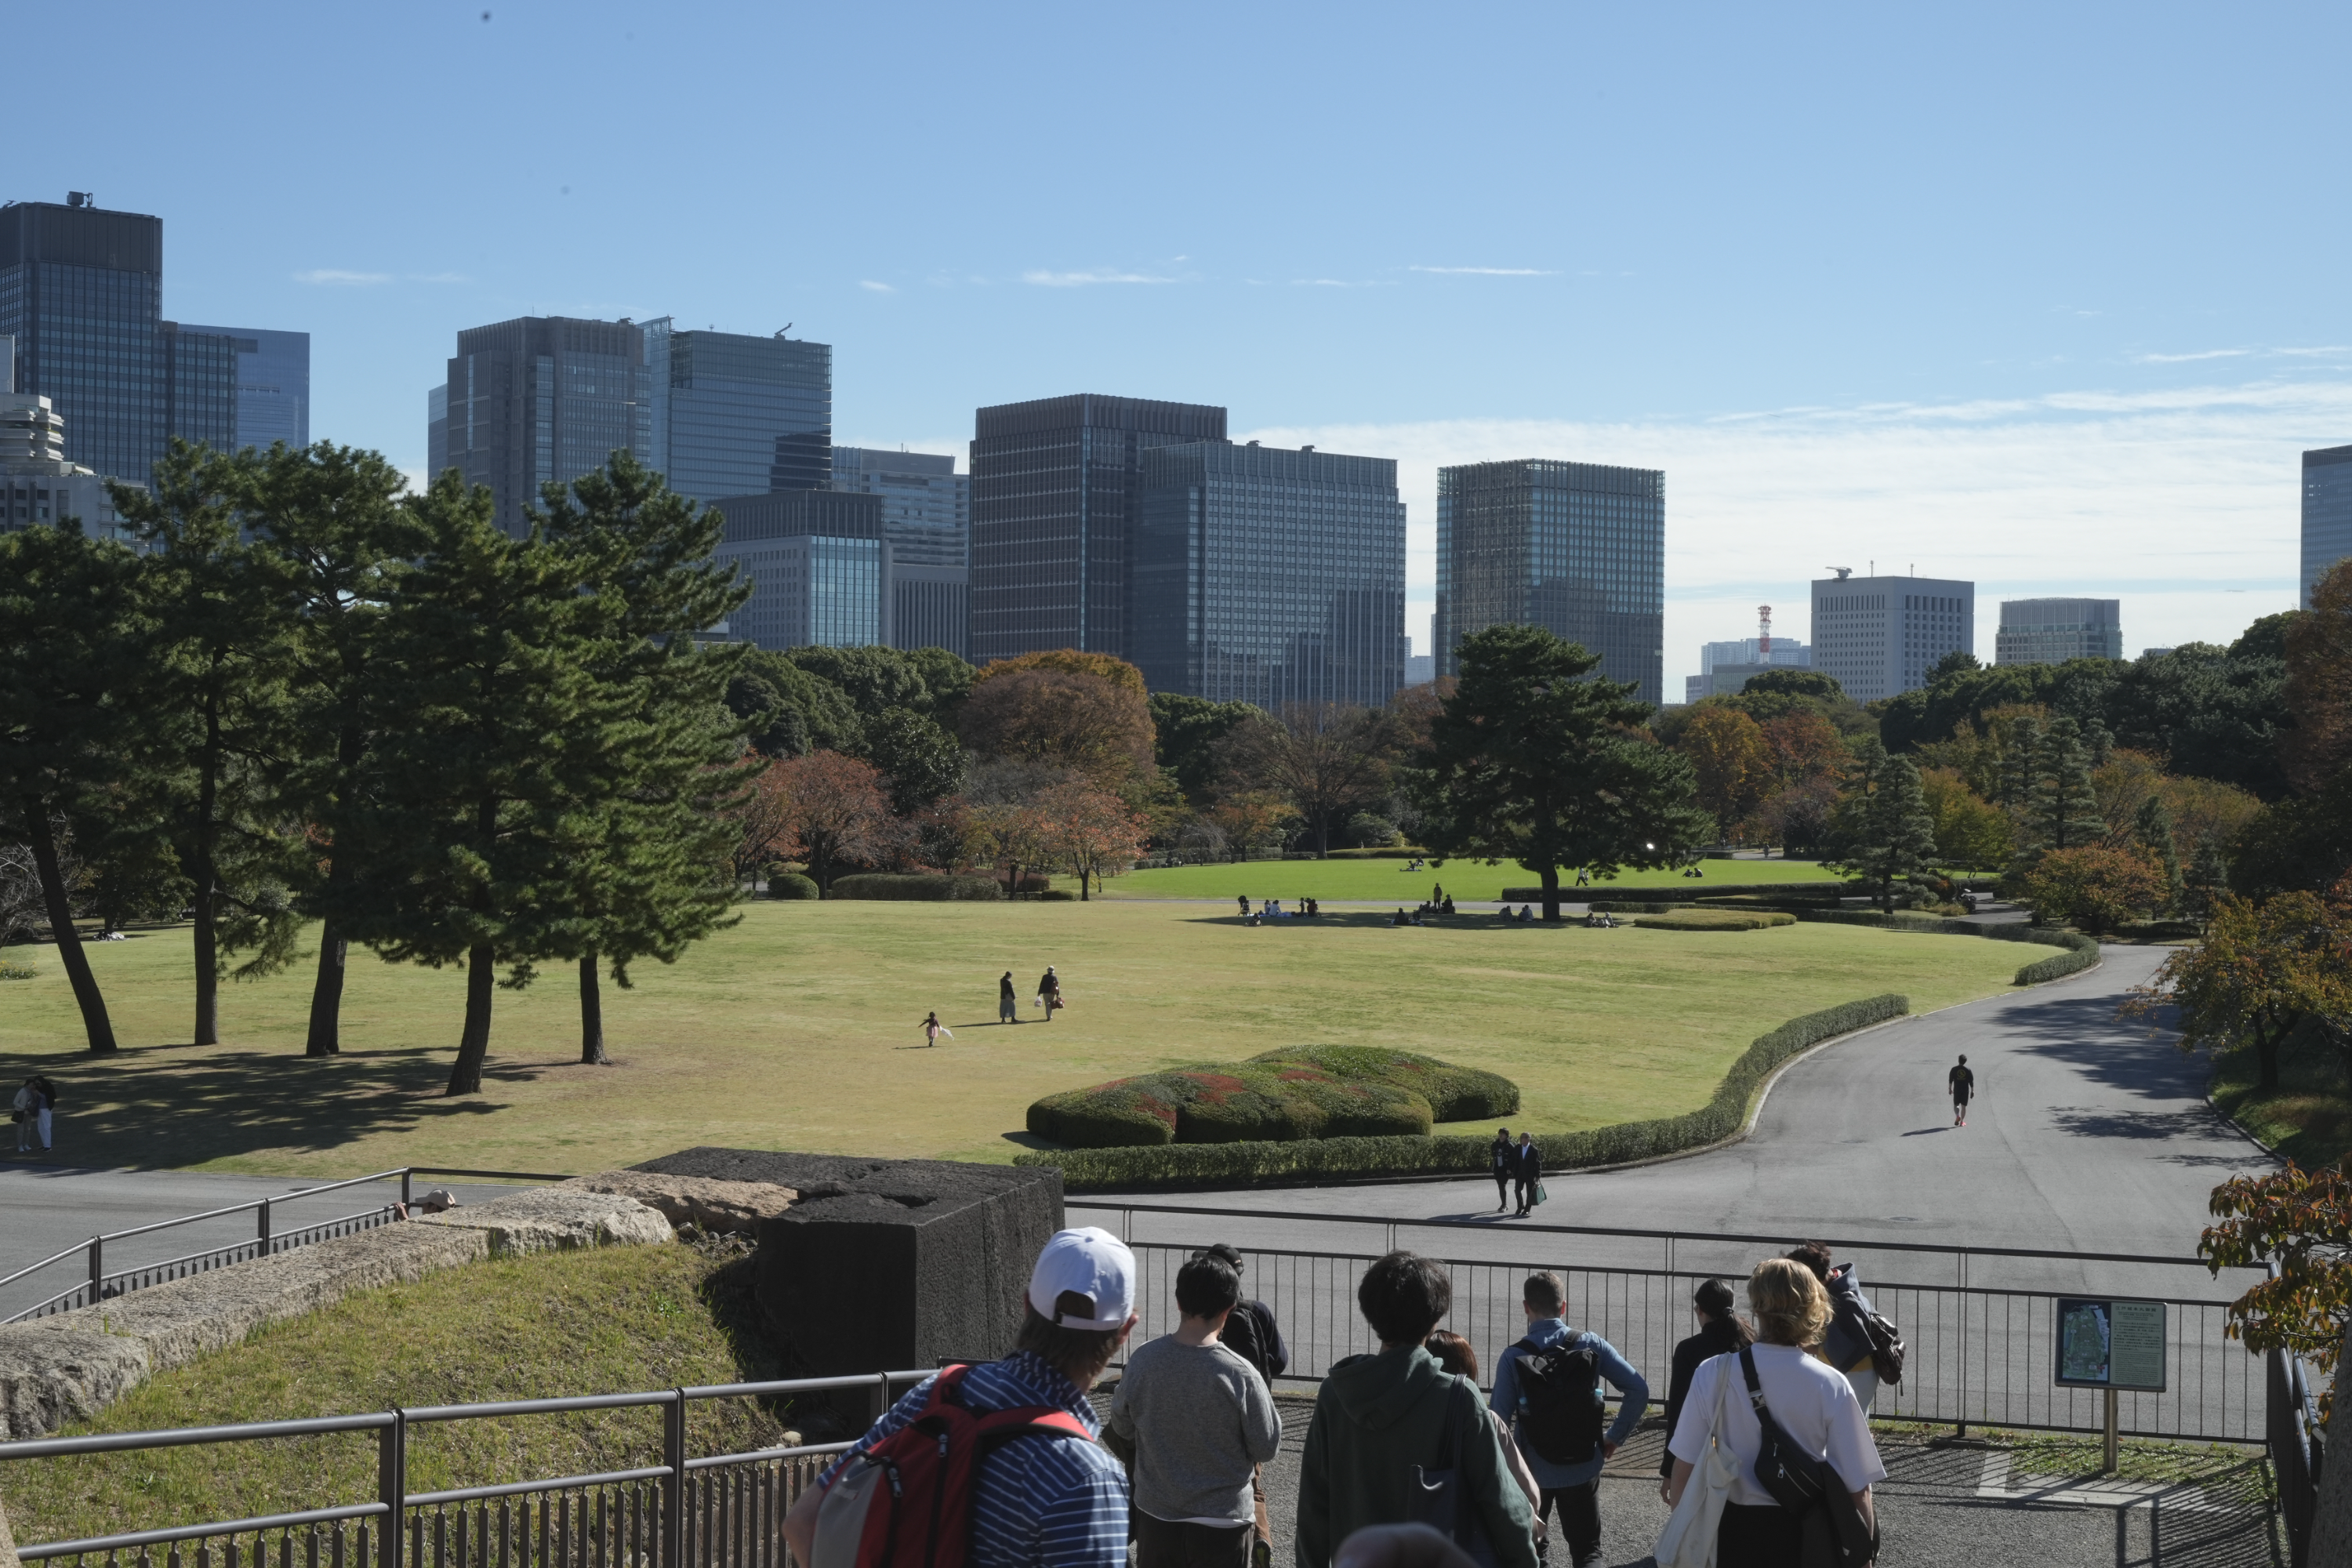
[{"x": 1614, "y": 1370}]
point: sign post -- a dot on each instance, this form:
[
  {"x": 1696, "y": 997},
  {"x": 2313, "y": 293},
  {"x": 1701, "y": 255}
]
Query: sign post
[{"x": 2110, "y": 1343}]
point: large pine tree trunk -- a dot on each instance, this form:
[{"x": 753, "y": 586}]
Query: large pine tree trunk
[
  {"x": 592, "y": 1013},
  {"x": 327, "y": 995},
  {"x": 95, "y": 1024},
  {"x": 474, "y": 1045},
  {"x": 1551, "y": 892}
]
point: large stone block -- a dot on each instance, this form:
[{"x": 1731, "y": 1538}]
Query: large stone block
[
  {"x": 692, "y": 1200},
  {"x": 555, "y": 1220},
  {"x": 886, "y": 1265}
]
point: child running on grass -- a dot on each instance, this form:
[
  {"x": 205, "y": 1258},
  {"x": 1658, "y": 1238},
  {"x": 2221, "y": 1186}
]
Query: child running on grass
[{"x": 933, "y": 1028}]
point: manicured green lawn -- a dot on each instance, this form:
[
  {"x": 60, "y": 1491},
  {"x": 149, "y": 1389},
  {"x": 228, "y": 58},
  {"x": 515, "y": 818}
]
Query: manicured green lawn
[
  {"x": 1387, "y": 881},
  {"x": 799, "y": 1029}
]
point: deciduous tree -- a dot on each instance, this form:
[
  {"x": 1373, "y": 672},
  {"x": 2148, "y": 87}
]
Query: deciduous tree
[
  {"x": 921, "y": 760},
  {"x": 2262, "y": 969},
  {"x": 841, "y": 815},
  {"x": 1732, "y": 763},
  {"x": 1091, "y": 832},
  {"x": 1326, "y": 760},
  {"x": 2096, "y": 888},
  {"x": 1066, "y": 719},
  {"x": 2301, "y": 1222},
  {"x": 1969, "y": 833}
]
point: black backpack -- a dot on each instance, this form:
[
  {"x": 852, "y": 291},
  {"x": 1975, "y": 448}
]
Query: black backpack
[{"x": 1559, "y": 1399}]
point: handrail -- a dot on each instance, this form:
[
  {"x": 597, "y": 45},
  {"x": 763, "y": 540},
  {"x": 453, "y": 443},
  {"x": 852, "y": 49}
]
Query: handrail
[
  {"x": 193, "y": 1531},
  {"x": 544, "y": 1406},
  {"x": 515, "y": 1488},
  {"x": 82, "y": 1246},
  {"x": 253, "y": 1207},
  {"x": 180, "y": 1436},
  {"x": 714, "y": 1462}
]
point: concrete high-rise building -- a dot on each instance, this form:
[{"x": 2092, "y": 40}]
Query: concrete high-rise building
[
  {"x": 819, "y": 566},
  {"x": 1576, "y": 548},
  {"x": 542, "y": 398},
  {"x": 1268, "y": 576},
  {"x": 734, "y": 414},
  {"x": 81, "y": 290},
  {"x": 38, "y": 484},
  {"x": 2052, "y": 631},
  {"x": 1879, "y": 636},
  {"x": 1054, "y": 485},
  {"x": 2326, "y": 514},
  {"x": 927, "y": 519},
  {"x": 271, "y": 372},
  {"x": 1420, "y": 669}
]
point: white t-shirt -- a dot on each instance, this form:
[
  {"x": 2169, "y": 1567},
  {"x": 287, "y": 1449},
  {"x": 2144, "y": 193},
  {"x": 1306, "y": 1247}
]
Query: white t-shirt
[{"x": 1812, "y": 1401}]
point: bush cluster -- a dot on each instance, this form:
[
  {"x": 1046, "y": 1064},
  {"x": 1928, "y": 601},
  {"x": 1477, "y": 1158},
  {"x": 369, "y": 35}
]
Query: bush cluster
[
  {"x": 1308, "y": 1093},
  {"x": 1694, "y": 888},
  {"x": 916, "y": 885},
  {"x": 1265, "y": 1162},
  {"x": 791, "y": 885},
  {"x": 1716, "y": 919},
  {"x": 1404, "y": 852}
]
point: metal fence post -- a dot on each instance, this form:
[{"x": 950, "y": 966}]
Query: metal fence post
[
  {"x": 97, "y": 1269},
  {"x": 404, "y": 1171},
  {"x": 674, "y": 1484},
  {"x": 392, "y": 1487},
  {"x": 264, "y": 1232}
]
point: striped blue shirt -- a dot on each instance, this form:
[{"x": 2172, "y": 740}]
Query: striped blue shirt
[{"x": 1054, "y": 1502}]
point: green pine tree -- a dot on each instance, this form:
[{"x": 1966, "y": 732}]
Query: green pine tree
[
  {"x": 492, "y": 726},
  {"x": 1885, "y": 832},
  {"x": 2061, "y": 811},
  {"x": 2152, "y": 827},
  {"x": 2017, "y": 763}
]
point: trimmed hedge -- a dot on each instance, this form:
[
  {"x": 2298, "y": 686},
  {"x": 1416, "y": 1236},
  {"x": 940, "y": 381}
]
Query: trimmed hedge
[
  {"x": 1407, "y": 853},
  {"x": 1269, "y": 1163},
  {"x": 1307, "y": 1092},
  {"x": 1686, "y": 888},
  {"x": 915, "y": 885},
  {"x": 1058, "y": 896},
  {"x": 2082, "y": 952},
  {"x": 1716, "y": 919},
  {"x": 791, "y": 885}
]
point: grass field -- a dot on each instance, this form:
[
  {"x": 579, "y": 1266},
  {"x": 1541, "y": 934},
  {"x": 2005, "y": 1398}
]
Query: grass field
[
  {"x": 1387, "y": 881},
  {"x": 798, "y": 1029},
  {"x": 2308, "y": 1119}
]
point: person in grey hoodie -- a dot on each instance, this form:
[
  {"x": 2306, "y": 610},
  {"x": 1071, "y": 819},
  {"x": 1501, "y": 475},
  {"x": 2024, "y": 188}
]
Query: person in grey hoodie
[
  {"x": 1381, "y": 1418},
  {"x": 1200, "y": 1421}
]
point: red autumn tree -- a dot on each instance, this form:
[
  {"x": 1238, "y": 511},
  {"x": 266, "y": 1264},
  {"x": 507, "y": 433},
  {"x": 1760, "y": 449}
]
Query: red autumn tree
[
  {"x": 1089, "y": 831},
  {"x": 839, "y": 812}
]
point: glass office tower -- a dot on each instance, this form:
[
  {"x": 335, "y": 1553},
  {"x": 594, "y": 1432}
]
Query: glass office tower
[
  {"x": 1054, "y": 492},
  {"x": 927, "y": 518},
  {"x": 2052, "y": 631},
  {"x": 1269, "y": 576},
  {"x": 81, "y": 291},
  {"x": 818, "y": 566},
  {"x": 2326, "y": 515},
  {"x": 273, "y": 385},
  {"x": 1576, "y": 548},
  {"x": 543, "y": 398},
  {"x": 735, "y": 415},
  {"x": 200, "y": 386}
]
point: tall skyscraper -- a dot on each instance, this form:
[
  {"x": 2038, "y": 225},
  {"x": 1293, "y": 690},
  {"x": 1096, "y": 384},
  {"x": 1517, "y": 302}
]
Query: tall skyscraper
[
  {"x": 1055, "y": 486},
  {"x": 81, "y": 290},
  {"x": 540, "y": 398},
  {"x": 1879, "y": 636},
  {"x": 1269, "y": 576},
  {"x": 736, "y": 414},
  {"x": 272, "y": 381},
  {"x": 2052, "y": 631},
  {"x": 927, "y": 519},
  {"x": 199, "y": 386},
  {"x": 2326, "y": 513},
  {"x": 818, "y": 565},
  {"x": 1576, "y": 548}
]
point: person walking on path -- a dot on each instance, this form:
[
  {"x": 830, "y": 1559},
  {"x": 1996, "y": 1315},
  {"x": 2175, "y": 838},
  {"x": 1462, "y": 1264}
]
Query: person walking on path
[
  {"x": 1008, "y": 1005},
  {"x": 1964, "y": 1088},
  {"x": 1504, "y": 1160},
  {"x": 1040, "y": 1499},
  {"x": 1548, "y": 1389},
  {"x": 1720, "y": 1332},
  {"x": 1846, "y": 1345},
  {"x": 1201, "y": 1422},
  {"x": 1455, "y": 1355},
  {"x": 1809, "y": 1402},
  {"x": 1049, "y": 992},
  {"x": 933, "y": 1028},
  {"x": 1526, "y": 1172},
  {"x": 35, "y": 1100},
  {"x": 1377, "y": 1417}
]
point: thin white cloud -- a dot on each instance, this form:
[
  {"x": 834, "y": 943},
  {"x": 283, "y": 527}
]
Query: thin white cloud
[
  {"x": 1490, "y": 272},
  {"x": 438, "y": 277},
  {"x": 337, "y": 276},
  {"x": 868, "y": 283},
  {"x": 2184, "y": 359},
  {"x": 1083, "y": 279},
  {"x": 1335, "y": 283}
]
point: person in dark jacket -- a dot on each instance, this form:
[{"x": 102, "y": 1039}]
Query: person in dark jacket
[
  {"x": 1049, "y": 992},
  {"x": 1720, "y": 1332},
  {"x": 1008, "y": 1006},
  {"x": 1527, "y": 1170},
  {"x": 1504, "y": 1161},
  {"x": 1846, "y": 1345}
]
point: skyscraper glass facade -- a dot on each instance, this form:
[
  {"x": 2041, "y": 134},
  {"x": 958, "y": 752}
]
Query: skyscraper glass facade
[
  {"x": 927, "y": 518},
  {"x": 1054, "y": 485},
  {"x": 737, "y": 414},
  {"x": 543, "y": 398},
  {"x": 273, "y": 385},
  {"x": 844, "y": 592},
  {"x": 2052, "y": 631},
  {"x": 816, "y": 564},
  {"x": 81, "y": 291},
  {"x": 200, "y": 386},
  {"x": 1576, "y": 548},
  {"x": 2326, "y": 514},
  {"x": 1269, "y": 576}
]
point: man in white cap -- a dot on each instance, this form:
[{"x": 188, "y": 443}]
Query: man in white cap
[{"x": 1041, "y": 1500}]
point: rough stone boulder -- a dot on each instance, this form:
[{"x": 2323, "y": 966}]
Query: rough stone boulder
[
  {"x": 711, "y": 1202},
  {"x": 555, "y": 1220}
]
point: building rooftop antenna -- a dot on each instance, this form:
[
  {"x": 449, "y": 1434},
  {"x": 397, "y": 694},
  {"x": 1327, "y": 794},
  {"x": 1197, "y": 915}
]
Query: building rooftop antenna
[{"x": 1844, "y": 572}]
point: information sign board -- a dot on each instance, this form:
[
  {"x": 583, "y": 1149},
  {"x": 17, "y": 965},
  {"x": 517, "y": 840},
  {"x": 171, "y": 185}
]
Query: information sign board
[{"x": 2106, "y": 1343}]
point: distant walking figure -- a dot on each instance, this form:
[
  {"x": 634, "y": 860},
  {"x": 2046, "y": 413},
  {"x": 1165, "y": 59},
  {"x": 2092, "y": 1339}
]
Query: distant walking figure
[
  {"x": 35, "y": 1100},
  {"x": 1504, "y": 1161},
  {"x": 1008, "y": 1006},
  {"x": 1242, "y": 899},
  {"x": 1049, "y": 992},
  {"x": 933, "y": 1028},
  {"x": 1964, "y": 1088},
  {"x": 1526, "y": 1172}
]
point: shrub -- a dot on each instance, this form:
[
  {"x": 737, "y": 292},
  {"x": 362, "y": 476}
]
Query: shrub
[
  {"x": 1030, "y": 882},
  {"x": 1619, "y": 907},
  {"x": 792, "y": 885},
  {"x": 1400, "y": 852},
  {"x": 1716, "y": 919},
  {"x": 1058, "y": 896},
  {"x": 1453, "y": 1093},
  {"x": 1282, "y": 1162},
  {"x": 1686, "y": 888},
  {"x": 915, "y": 885},
  {"x": 1127, "y": 1112}
]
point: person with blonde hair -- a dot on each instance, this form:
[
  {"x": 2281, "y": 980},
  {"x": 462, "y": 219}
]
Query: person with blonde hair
[{"x": 1812, "y": 1403}]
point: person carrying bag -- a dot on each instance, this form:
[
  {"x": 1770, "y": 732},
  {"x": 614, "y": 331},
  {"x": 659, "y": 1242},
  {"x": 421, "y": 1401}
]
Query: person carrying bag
[{"x": 1688, "y": 1540}]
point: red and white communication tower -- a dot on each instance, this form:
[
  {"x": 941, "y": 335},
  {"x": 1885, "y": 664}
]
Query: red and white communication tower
[{"x": 1763, "y": 634}]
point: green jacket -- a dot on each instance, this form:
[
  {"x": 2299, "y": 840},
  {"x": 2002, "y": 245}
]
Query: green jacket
[{"x": 1376, "y": 1418}]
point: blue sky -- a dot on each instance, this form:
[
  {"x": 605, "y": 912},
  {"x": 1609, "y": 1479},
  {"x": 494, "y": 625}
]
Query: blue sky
[{"x": 2046, "y": 296}]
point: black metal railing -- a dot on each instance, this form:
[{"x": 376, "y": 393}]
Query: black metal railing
[
  {"x": 94, "y": 1281},
  {"x": 716, "y": 1511}
]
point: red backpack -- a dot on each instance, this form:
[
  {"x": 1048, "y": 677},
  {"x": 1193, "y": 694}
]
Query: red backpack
[{"x": 906, "y": 1503}]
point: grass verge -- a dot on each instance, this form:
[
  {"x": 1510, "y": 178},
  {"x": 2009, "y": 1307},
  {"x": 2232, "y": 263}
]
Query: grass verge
[
  {"x": 2308, "y": 1118},
  {"x": 1387, "y": 881}
]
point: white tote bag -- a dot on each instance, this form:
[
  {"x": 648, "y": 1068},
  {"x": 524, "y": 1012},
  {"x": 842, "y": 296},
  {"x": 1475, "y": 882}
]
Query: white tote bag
[{"x": 1689, "y": 1538}]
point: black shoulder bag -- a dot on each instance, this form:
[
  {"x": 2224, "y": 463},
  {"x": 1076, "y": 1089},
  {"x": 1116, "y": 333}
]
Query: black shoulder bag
[{"x": 1835, "y": 1536}]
